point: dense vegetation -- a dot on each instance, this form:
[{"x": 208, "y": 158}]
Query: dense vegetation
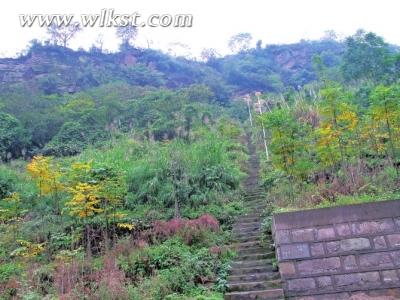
[
  {"x": 99, "y": 224},
  {"x": 336, "y": 143},
  {"x": 121, "y": 173}
]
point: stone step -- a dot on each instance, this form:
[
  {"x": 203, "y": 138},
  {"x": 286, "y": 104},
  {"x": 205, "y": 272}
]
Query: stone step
[
  {"x": 254, "y": 205},
  {"x": 250, "y": 185},
  {"x": 246, "y": 230},
  {"x": 251, "y": 214},
  {"x": 250, "y": 270},
  {"x": 250, "y": 218},
  {"x": 255, "y": 188},
  {"x": 271, "y": 294},
  {"x": 243, "y": 224},
  {"x": 253, "y": 250},
  {"x": 260, "y": 254},
  {"x": 255, "y": 194},
  {"x": 246, "y": 220},
  {"x": 252, "y": 236},
  {"x": 250, "y": 263},
  {"x": 247, "y": 245},
  {"x": 238, "y": 227},
  {"x": 254, "y": 277},
  {"x": 254, "y": 285},
  {"x": 259, "y": 207},
  {"x": 256, "y": 202},
  {"x": 251, "y": 275},
  {"x": 240, "y": 234},
  {"x": 253, "y": 201},
  {"x": 246, "y": 238}
]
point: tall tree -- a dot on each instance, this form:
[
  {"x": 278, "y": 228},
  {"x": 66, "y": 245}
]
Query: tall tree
[
  {"x": 240, "y": 42},
  {"x": 339, "y": 120},
  {"x": 61, "y": 35},
  {"x": 385, "y": 111},
  {"x": 127, "y": 34},
  {"x": 13, "y": 137},
  {"x": 289, "y": 142},
  {"x": 367, "y": 57}
]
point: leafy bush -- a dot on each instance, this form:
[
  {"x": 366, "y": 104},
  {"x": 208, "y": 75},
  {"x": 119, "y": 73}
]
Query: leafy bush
[
  {"x": 179, "y": 268},
  {"x": 7, "y": 182},
  {"x": 13, "y": 137},
  {"x": 191, "y": 231},
  {"x": 8, "y": 270},
  {"x": 73, "y": 138}
]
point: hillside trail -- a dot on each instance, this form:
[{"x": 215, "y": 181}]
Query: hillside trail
[{"x": 252, "y": 274}]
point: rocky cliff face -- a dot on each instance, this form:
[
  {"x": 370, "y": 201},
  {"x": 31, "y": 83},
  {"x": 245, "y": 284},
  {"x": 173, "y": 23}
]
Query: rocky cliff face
[{"x": 53, "y": 69}]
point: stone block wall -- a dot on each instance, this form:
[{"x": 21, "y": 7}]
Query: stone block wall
[{"x": 332, "y": 253}]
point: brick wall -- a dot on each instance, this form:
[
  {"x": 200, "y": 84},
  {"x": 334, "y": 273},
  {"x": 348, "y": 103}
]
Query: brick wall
[{"x": 332, "y": 253}]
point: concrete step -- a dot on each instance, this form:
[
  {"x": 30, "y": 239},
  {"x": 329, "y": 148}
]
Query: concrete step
[
  {"x": 254, "y": 285},
  {"x": 271, "y": 294}
]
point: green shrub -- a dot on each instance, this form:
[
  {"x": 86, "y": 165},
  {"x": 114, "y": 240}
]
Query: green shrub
[
  {"x": 8, "y": 270},
  {"x": 7, "y": 182}
]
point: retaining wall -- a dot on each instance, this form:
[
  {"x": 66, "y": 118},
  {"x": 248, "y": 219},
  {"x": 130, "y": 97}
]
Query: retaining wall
[{"x": 333, "y": 253}]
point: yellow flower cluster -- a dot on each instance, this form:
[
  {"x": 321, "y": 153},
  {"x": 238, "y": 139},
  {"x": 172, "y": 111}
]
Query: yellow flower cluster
[
  {"x": 45, "y": 173},
  {"x": 126, "y": 226},
  {"x": 28, "y": 249},
  {"x": 85, "y": 201}
]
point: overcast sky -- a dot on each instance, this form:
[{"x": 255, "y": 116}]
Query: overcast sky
[{"x": 214, "y": 21}]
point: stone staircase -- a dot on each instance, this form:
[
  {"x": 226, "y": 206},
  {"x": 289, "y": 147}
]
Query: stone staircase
[{"x": 252, "y": 275}]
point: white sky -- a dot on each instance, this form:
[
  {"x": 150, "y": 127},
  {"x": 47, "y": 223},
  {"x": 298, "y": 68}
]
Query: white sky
[{"x": 215, "y": 21}]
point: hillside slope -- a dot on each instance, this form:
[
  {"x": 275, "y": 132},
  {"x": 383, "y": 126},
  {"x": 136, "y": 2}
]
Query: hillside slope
[{"x": 53, "y": 69}]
